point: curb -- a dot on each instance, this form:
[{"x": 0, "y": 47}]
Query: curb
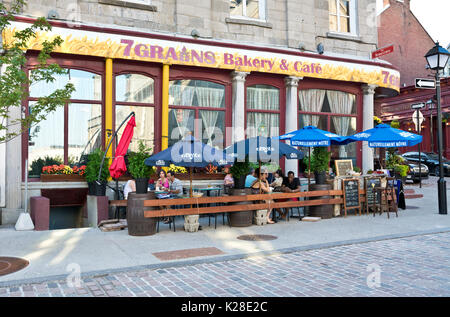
[{"x": 224, "y": 258}]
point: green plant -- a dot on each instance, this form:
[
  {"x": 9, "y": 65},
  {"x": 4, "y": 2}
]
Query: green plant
[
  {"x": 320, "y": 159},
  {"x": 369, "y": 172},
  {"x": 395, "y": 124},
  {"x": 93, "y": 166},
  {"x": 356, "y": 169},
  {"x": 240, "y": 169},
  {"x": 402, "y": 170},
  {"x": 136, "y": 165},
  {"x": 393, "y": 160}
]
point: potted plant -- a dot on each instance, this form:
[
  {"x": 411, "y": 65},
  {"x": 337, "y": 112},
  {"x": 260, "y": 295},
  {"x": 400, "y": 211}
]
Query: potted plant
[
  {"x": 320, "y": 159},
  {"x": 137, "y": 168},
  {"x": 97, "y": 188},
  {"x": 240, "y": 170},
  {"x": 401, "y": 171}
]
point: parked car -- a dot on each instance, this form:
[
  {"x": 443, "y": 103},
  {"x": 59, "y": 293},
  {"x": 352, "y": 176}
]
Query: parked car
[
  {"x": 414, "y": 172},
  {"x": 429, "y": 159}
]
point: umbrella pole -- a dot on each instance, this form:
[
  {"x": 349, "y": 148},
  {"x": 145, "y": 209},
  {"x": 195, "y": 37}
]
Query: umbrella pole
[
  {"x": 309, "y": 167},
  {"x": 190, "y": 182}
]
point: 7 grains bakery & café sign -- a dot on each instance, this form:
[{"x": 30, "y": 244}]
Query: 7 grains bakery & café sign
[{"x": 82, "y": 42}]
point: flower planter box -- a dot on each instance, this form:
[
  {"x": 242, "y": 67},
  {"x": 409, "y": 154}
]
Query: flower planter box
[{"x": 62, "y": 178}]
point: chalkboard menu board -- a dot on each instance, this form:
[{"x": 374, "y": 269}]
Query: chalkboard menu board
[
  {"x": 372, "y": 197},
  {"x": 342, "y": 166},
  {"x": 350, "y": 188}
]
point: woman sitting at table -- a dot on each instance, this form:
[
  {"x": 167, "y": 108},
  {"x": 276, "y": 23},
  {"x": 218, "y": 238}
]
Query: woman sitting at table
[
  {"x": 129, "y": 187},
  {"x": 261, "y": 185},
  {"x": 228, "y": 181},
  {"x": 278, "y": 180},
  {"x": 163, "y": 182}
]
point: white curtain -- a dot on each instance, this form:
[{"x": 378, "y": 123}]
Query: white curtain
[
  {"x": 263, "y": 98},
  {"x": 262, "y": 124},
  {"x": 341, "y": 102},
  {"x": 210, "y": 97},
  {"x": 311, "y": 100},
  {"x": 209, "y": 120},
  {"x": 181, "y": 95},
  {"x": 182, "y": 119}
]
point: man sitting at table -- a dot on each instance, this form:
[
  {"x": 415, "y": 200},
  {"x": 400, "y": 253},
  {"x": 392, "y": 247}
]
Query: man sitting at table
[
  {"x": 176, "y": 187},
  {"x": 250, "y": 179},
  {"x": 291, "y": 184}
]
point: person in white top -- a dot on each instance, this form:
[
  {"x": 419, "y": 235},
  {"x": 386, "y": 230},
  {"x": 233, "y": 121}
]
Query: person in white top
[{"x": 130, "y": 186}]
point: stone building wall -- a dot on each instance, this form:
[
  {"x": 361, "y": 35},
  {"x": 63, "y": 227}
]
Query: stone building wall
[{"x": 289, "y": 23}]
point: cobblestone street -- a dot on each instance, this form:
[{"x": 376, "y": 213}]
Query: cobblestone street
[{"x": 413, "y": 266}]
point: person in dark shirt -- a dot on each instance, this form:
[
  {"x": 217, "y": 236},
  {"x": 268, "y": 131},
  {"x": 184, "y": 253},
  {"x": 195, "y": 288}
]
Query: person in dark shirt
[{"x": 291, "y": 184}]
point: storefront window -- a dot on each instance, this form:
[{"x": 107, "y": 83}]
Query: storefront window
[
  {"x": 135, "y": 93},
  {"x": 85, "y": 130},
  {"x": 197, "y": 107},
  {"x": 71, "y": 130},
  {"x": 333, "y": 111},
  {"x": 263, "y": 111}
]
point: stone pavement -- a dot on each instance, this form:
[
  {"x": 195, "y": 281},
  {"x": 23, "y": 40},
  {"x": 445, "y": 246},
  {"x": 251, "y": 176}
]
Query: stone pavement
[
  {"x": 53, "y": 253},
  {"x": 413, "y": 266}
]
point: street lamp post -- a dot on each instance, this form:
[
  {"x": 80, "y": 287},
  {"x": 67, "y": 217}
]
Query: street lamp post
[{"x": 437, "y": 59}]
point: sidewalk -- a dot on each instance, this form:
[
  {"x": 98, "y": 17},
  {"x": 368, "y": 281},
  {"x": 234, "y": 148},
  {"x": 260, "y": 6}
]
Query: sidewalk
[{"x": 96, "y": 252}]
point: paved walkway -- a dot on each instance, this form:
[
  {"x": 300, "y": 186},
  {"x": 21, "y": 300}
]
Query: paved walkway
[
  {"x": 414, "y": 266},
  {"x": 52, "y": 254}
]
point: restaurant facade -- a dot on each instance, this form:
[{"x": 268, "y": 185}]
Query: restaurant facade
[{"x": 219, "y": 89}]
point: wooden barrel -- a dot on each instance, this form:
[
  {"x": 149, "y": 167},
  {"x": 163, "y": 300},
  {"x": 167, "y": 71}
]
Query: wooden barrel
[
  {"x": 241, "y": 218},
  {"x": 323, "y": 211},
  {"x": 138, "y": 225}
]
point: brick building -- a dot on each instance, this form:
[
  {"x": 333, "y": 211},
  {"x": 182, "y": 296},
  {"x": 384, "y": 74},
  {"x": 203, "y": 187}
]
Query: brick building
[
  {"x": 259, "y": 67},
  {"x": 400, "y": 27}
]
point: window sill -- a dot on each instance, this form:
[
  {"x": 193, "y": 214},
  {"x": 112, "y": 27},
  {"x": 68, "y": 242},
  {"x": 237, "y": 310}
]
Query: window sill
[
  {"x": 259, "y": 23},
  {"x": 344, "y": 36},
  {"x": 132, "y": 5}
]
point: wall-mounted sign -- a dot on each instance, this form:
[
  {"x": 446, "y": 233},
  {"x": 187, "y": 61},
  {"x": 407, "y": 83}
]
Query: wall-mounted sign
[
  {"x": 383, "y": 51},
  {"x": 83, "y": 42}
]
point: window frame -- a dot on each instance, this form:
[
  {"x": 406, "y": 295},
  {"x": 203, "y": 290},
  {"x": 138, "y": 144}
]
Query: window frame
[
  {"x": 353, "y": 17},
  {"x": 197, "y": 109},
  {"x": 85, "y": 63},
  {"x": 274, "y": 81},
  {"x": 262, "y": 5}
]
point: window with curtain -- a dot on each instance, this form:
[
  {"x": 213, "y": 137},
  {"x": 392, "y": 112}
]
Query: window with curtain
[
  {"x": 197, "y": 107},
  {"x": 71, "y": 130},
  {"x": 263, "y": 110},
  {"x": 250, "y": 9},
  {"x": 136, "y": 93},
  {"x": 342, "y": 15},
  {"x": 333, "y": 111}
]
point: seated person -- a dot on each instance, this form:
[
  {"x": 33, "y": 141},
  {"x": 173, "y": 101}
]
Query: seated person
[
  {"x": 278, "y": 179},
  {"x": 129, "y": 187},
  {"x": 250, "y": 179},
  {"x": 228, "y": 181},
  {"x": 291, "y": 184},
  {"x": 163, "y": 182},
  {"x": 265, "y": 188},
  {"x": 176, "y": 187}
]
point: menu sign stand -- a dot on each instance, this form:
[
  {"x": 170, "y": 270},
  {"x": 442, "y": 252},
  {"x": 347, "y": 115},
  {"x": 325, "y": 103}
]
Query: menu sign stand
[
  {"x": 350, "y": 188},
  {"x": 342, "y": 166},
  {"x": 373, "y": 198}
]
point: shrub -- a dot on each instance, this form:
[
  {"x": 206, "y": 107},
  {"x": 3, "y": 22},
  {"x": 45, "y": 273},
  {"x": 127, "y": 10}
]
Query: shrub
[
  {"x": 136, "y": 165},
  {"x": 93, "y": 166}
]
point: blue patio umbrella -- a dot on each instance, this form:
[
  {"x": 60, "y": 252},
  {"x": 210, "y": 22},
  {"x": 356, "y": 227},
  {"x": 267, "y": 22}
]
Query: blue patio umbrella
[
  {"x": 311, "y": 136},
  {"x": 189, "y": 152},
  {"x": 383, "y": 135},
  {"x": 262, "y": 149}
]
